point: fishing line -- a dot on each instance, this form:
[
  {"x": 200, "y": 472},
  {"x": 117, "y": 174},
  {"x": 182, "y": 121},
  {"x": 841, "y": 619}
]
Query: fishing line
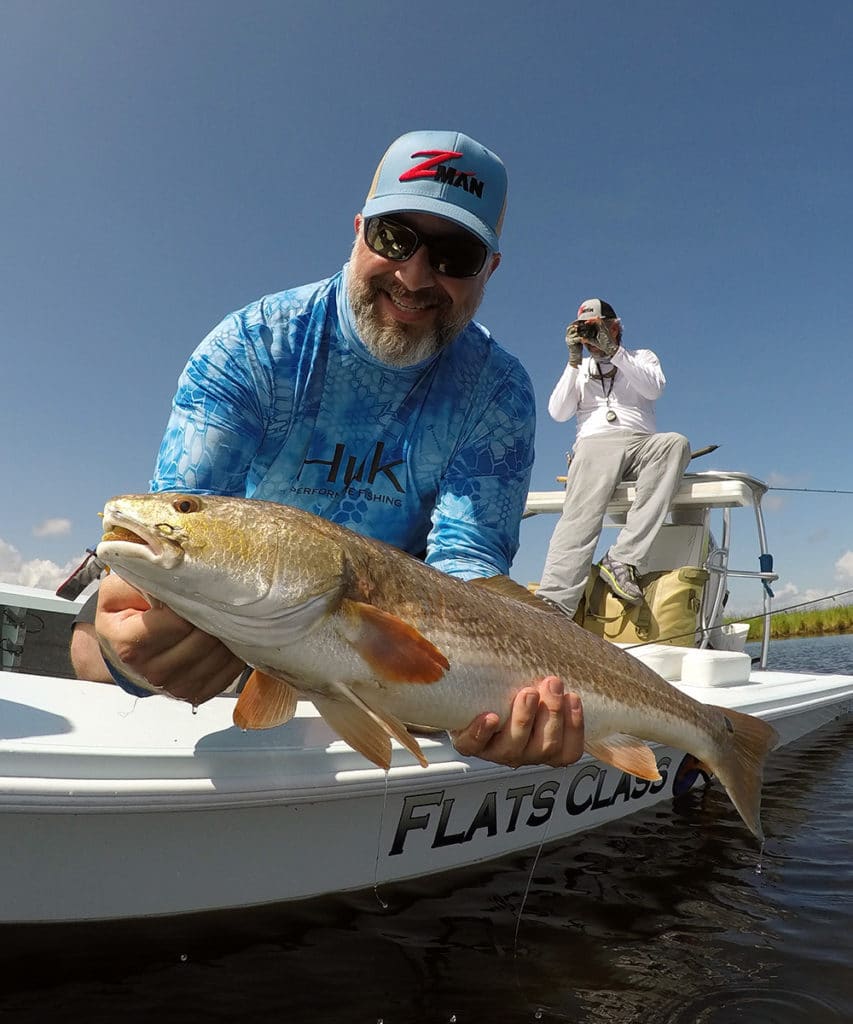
[
  {"x": 538, "y": 854},
  {"x": 379, "y": 899},
  {"x": 530, "y": 874},
  {"x": 741, "y": 618}
]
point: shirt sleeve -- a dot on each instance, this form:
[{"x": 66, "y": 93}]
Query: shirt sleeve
[
  {"x": 217, "y": 419},
  {"x": 563, "y": 403},
  {"x": 476, "y": 520},
  {"x": 642, "y": 370}
]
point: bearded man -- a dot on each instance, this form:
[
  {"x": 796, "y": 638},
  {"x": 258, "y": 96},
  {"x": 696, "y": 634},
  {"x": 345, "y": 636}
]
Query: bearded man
[{"x": 374, "y": 400}]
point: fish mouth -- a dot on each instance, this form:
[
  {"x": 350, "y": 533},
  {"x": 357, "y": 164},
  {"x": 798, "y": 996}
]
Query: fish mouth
[
  {"x": 126, "y": 538},
  {"x": 122, "y": 534}
]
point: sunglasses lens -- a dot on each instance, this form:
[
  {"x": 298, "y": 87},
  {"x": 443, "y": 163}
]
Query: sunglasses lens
[
  {"x": 457, "y": 257},
  {"x": 389, "y": 239},
  {"x": 453, "y": 256}
]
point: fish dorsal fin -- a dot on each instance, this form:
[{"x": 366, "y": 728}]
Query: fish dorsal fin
[
  {"x": 626, "y": 753},
  {"x": 394, "y": 650},
  {"x": 509, "y": 588},
  {"x": 365, "y": 729},
  {"x": 264, "y": 702}
]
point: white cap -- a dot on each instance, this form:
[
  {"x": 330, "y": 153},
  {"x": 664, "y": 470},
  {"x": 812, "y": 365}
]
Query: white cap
[{"x": 596, "y": 309}]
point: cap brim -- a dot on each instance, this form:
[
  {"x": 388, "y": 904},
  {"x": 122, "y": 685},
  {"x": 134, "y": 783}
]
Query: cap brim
[{"x": 383, "y": 205}]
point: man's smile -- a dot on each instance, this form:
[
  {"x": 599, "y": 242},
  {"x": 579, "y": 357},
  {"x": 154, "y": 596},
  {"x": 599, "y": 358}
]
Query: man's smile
[{"x": 408, "y": 307}]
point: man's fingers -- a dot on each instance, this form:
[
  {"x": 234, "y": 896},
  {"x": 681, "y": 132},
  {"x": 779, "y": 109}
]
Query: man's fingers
[
  {"x": 162, "y": 647},
  {"x": 139, "y": 637},
  {"x": 547, "y": 734},
  {"x": 508, "y": 745},
  {"x": 195, "y": 668},
  {"x": 472, "y": 741},
  {"x": 522, "y": 718},
  {"x": 163, "y": 628},
  {"x": 573, "y": 734},
  {"x": 545, "y": 727}
]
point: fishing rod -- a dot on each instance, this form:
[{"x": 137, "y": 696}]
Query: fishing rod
[
  {"x": 804, "y": 490},
  {"x": 808, "y": 490},
  {"x": 740, "y": 618}
]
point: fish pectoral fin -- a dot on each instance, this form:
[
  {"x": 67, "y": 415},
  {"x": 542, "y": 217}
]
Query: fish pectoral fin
[
  {"x": 626, "y": 753},
  {"x": 264, "y": 702},
  {"x": 396, "y": 651},
  {"x": 365, "y": 729}
]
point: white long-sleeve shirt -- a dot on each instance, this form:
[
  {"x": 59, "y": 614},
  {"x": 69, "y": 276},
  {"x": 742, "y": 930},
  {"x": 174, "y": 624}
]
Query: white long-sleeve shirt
[{"x": 631, "y": 394}]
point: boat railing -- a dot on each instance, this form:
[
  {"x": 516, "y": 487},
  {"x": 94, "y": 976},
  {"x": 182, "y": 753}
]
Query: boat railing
[
  {"x": 30, "y": 611},
  {"x": 699, "y": 494},
  {"x": 26, "y": 610}
]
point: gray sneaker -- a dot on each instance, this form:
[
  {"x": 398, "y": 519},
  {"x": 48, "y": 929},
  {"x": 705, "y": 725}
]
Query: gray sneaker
[{"x": 622, "y": 579}]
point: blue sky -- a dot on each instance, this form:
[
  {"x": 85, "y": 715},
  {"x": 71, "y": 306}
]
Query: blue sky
[{"x": 165, "y": 163}]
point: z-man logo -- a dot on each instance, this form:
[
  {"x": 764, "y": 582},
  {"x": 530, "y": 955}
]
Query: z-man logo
[
  {"x": 435, "y": 167},
  {"x": 427, "y": 168}
]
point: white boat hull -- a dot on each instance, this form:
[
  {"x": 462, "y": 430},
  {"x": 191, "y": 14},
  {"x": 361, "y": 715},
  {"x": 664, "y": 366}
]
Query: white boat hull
[{"x": 120, "y": 808}]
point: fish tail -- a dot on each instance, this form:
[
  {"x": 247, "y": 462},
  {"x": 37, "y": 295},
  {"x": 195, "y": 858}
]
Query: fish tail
[{"x": 742, "y": 765}]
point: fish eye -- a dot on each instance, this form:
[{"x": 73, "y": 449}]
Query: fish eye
[{"x": 186, "y": 505}]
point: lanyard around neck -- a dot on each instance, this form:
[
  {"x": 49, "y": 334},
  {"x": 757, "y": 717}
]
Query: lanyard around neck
[{"x": 610, "y": 377}]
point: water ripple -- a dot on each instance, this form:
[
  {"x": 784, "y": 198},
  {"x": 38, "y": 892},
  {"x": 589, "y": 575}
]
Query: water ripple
[{"x": 755, "y": 1006}]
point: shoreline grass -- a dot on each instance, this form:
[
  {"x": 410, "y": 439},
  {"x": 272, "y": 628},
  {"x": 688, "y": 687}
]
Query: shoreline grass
[{"x": 817, "y": 622}]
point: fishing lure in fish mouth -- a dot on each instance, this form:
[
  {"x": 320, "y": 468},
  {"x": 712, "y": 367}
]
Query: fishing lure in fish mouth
[{"x": 89, "y": 570}]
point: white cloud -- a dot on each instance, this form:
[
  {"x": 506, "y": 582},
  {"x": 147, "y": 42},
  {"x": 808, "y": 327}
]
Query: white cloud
[
  {"x": 775, "y": 479},
  {"x": 844, "y": 566},
  {"x": 789, "y": 595},
  {"x": 773, "y": 503},
  {"x": 37, "y": 572},
  {"x": 52, "y": 528}
]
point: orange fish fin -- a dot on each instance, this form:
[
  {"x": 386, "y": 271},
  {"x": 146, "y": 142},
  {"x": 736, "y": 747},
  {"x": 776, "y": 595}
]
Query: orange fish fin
[
  {"x": 264, "y": 702},
  {"x": 626, "y": 753},
  {"x": 366, "y": 730},
  {"x": 395, "y": 650}
]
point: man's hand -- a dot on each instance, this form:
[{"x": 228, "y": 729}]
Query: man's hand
[
  {"x": 604, "y": 345},
  {"x": 575, "y": 345},
  {"x": 545, "y": 727},
  {"x": 160, "y": 646}
]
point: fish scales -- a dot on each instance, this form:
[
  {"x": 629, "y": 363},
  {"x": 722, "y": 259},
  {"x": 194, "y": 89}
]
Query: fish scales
[
  {"x": 378, "y": 639},
  {"x": 520, "y": 637}
]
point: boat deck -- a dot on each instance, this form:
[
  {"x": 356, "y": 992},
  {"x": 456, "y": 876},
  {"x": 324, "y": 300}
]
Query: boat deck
[{"x": 91, "y": 746}]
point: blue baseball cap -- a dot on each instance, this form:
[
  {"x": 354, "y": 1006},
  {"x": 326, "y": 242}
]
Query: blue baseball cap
[{"x": 446, "y": 174}]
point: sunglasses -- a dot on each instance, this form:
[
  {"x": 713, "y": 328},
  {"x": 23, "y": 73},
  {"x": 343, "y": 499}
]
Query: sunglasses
[{"x": 451, "y": 255}]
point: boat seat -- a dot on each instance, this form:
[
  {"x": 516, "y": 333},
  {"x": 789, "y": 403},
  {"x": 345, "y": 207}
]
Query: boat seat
[
  {"x": 676, "y": 545},
  {"x": 705, "y": 490}
]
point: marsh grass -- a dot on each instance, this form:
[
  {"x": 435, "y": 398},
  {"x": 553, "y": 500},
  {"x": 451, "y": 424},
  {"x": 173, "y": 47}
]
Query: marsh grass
[{"x": 816, "y": 622}]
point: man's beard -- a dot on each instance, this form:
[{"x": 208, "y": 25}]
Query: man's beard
[{"x": 403, "y": 344}]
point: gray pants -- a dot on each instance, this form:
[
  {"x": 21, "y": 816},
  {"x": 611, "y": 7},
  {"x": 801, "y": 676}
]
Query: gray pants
[{"x": 599, "y": 464}]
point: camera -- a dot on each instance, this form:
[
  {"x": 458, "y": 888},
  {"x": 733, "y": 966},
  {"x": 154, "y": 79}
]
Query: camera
[{"x": 587, "y": 329}]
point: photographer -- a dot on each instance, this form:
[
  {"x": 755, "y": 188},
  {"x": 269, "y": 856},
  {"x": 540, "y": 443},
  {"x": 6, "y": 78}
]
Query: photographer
[{"x": 612, "y": 391}]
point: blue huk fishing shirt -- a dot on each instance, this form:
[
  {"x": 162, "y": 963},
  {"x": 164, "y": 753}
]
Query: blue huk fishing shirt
[{"x": 282, "y": 402}]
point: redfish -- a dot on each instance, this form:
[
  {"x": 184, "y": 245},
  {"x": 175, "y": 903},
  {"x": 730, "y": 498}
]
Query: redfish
[{"x": 378, "y": 640}]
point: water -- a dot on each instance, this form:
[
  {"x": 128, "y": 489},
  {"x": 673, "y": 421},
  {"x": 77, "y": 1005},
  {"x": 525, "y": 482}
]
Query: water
[{"x": 660, "y": 919}]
